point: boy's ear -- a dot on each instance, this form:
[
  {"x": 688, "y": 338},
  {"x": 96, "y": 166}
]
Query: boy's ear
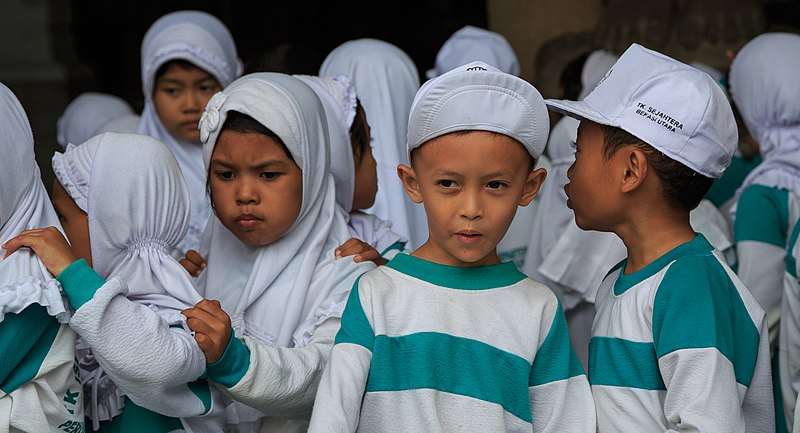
[
  {"x": 635, "y": 168},
  {"x": 532, "y": 186},
  {"x": 410, "y": 182}
]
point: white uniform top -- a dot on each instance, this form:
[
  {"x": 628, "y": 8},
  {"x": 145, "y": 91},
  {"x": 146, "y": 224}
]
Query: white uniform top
[{"x": 425, "y": 347}]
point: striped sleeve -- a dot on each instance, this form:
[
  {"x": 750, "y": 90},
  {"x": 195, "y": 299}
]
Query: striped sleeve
[
  {"x": 560, "y": 396},
  {"x": 706, "y": 343}
]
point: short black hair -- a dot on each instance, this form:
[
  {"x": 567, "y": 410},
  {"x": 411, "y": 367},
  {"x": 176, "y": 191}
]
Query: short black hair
[
  {"x": 681, "y": 186},
  {"x": 359, "y": 133},
  {"x": 570, "y": 79}
]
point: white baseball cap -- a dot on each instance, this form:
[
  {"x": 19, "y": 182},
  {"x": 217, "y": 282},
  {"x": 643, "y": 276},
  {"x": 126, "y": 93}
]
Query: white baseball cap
[
  {"x": 479, "y": 97},
  {"x": 674, "y": 107}
]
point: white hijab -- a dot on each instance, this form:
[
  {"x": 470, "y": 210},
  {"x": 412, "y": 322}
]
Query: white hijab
[
  {"x": 472, "y": 43},
  {"x": 386, "y": 81},
  {"x": 203, "y": 40},
  {"x": 280, "y": 293},
  {"x": 91, "y": 113},
  {"x": 767, "y": 99},
  {"x": 138, "y": 206},
  {"x": 339, "y": 99},
  {"x": 24, "y": 205}
]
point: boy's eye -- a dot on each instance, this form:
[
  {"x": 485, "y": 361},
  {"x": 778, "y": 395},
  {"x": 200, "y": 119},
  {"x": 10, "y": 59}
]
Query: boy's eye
[
  {"x": 447, "y": 183},
  {"x": 496, "y": 184}
]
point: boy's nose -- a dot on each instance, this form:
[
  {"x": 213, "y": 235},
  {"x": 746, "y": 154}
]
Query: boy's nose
[{"x": 471, "y": 207}]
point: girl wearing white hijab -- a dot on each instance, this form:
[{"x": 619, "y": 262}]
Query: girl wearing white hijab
[
  {"x": 39, "y": 390},
  {"x": 767, "y": 205},
  {"x": 92, "y": 113},
  {"x": 353, "y": 169},
  {"x": 277, "y": 291},
  {"x": 386, "y": 80},
  {"x": 124, "y": 206},
  {"x": 472, "y": 43},
  {"x": 187, "y": 56}
]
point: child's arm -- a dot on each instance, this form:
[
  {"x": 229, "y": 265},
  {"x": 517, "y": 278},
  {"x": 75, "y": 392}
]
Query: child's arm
[
  {"x": 361, "y": 250},
  {"x": 337, "y": 407},
  {"x": 560, "y": 395},
  {"x": 145, "y": 357}
]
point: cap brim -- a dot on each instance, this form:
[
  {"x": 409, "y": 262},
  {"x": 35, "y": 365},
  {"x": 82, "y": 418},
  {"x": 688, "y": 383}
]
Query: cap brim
[{"x": 579, "y": 110}]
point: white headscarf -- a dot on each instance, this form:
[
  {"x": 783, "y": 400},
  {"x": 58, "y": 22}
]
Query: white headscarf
[
  {"x": 472, "y": 43},
  {"x": 386, "y": 81},
  {"x": 138, "y": 206},
  {"x": 24, "y": 205},
  {"x": 339, "y": 99},
  {"x": 204, "y": 41},
  {"x": 767, "y": 99},
  {"x": 91, "y": 113},
  {"x": 280, "y": 293},
  {"x": 553, "y": 215}
]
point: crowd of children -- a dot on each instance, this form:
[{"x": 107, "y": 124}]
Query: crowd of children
[{"x": 353, "y": 251}]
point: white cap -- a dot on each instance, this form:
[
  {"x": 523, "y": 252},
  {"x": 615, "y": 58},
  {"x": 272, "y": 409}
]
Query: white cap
[
  {"x": 674, "y": 107},
  {"x": 479, "y": 97}
]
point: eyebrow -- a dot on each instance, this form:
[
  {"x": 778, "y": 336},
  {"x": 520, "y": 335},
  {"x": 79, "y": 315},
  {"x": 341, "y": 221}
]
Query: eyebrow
[{"x": 257, "y": 166}]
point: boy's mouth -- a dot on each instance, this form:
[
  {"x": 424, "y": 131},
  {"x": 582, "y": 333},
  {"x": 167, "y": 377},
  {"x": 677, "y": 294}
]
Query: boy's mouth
[{"x": 469, "y": 236}]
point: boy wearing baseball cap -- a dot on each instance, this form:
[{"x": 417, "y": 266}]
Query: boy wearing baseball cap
[
  {"x": 449, "y": 338},
  {"x": 678, "y": 342}
]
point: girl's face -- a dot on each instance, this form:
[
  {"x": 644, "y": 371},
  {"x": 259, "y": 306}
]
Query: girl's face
[
  {"x": 180, "y": 96},
  {"x": 74, "y": 221},
  {"x": 256, "y": 188},
  {"x": 366, "y": 174}
]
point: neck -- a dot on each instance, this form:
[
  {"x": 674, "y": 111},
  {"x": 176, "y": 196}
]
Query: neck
[{"x": 651, "y": 236}]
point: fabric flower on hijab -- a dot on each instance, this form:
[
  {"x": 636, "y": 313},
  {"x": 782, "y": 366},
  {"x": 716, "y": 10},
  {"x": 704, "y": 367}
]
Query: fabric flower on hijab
[{"x": 209, "y": 121}]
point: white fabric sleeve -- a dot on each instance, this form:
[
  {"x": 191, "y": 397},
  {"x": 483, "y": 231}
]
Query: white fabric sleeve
[
  {"x": 282, "y": 381},
  {"x": 147, "y": 360},
  {"x": 563, "y": 406},
  {"x": 337, "y": 406},
  {"x": 702, "y": 393},
  {"x": 761, "y": 267}
]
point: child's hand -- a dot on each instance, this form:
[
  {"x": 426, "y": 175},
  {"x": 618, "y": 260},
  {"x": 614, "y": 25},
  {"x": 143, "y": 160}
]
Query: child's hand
[
  {"x": 211, "y": 326},
  {"x": 48, "y": 243},
  {"x": 193, "y": 262},
  {"x": 361, "y": 250}
]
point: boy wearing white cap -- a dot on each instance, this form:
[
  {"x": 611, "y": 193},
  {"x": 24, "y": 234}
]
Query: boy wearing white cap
[
  {"x": 449, "y": 338},
  {"x": 678, "y": 342}
]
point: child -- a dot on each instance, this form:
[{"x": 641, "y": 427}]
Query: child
[
  {"x": 767, "y": 202},
  {"x": 449, "y": 338},
  {"x": 470, "y": 43},
  {"x": 385, "y": 79},
  {"x": 92, "y": 113},
  {"x": 789, "y": 335},
  {"x": 124, "y": 205},
  {"x": 353, "y": 170},
  {"x": 277, "y": 291},
  {"x": 187, "y": 56},
  {"x": 678, "y": 342},
  {"x": 40, "y": 387}
]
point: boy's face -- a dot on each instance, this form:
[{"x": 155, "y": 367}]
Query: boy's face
[
  {"x": 180, "y": 96},
  {"x": 366, "y": 181},
  {"x": 471, "y": 185},
  {"x": 366, "y": 172},
  {"x": 74, "y": 221},
  {"x": 590, "y": 190},
  {"x": 256, "y": 189}
]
